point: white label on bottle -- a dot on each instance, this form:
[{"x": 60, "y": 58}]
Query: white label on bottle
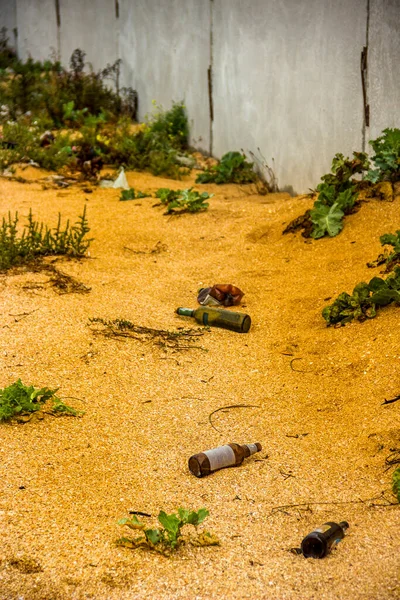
[
  {"x": 253, "y": 448},
  {"x": 220, "y": 457}
]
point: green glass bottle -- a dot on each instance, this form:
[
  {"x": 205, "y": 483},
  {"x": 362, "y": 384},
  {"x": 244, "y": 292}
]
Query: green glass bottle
[{"x": 218, "y": 317}]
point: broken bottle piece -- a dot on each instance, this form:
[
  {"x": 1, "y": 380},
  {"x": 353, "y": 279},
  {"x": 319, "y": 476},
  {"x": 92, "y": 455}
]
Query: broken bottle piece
[
  {"x": 229, "y": 455},
  {"x": 222, "y": 294}
]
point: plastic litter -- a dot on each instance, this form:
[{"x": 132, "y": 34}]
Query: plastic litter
[
  {"x": 120, "y": 182},
  {"x": 224, "y": 294}
]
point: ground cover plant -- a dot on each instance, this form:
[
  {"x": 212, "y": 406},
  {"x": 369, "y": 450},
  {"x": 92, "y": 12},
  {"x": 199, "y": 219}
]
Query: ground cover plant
[
  {"x": 337, "y": 194},
  {"x": 232, "y": 168},
  {"x": 181, "y": 201},
  {"x": 21, "y": 401},
  {"x": 365, "y": 300},
  {"x": 388, "y": 258},
  {"x": 386, "y": 158},
  {"x": 132, "y": 194},
  {"x": 167, "y": 538},
  {"x": 58, "y": 117},
  {"x": 38, "y": 240},
  {"x": 396, "y": 483}
]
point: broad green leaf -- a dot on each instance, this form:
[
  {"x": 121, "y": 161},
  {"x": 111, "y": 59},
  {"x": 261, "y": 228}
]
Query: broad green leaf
[
  {"x": 396, "y": 483},
  {"x": 326, "y": 220},
  {"x": 171, "y": 523},
  {"x": 153, "y": 535}
]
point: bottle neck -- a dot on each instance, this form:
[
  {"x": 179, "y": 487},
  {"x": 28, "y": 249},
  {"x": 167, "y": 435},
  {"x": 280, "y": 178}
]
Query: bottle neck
[
  {"x": 250, "y": 449},
  {"x": 185, "y": 312}
]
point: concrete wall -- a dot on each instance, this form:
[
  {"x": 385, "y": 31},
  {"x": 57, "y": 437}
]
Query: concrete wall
[
  {"x": 164, "y": 46},
  {"x": 285, "y": 73},
  {"x": 287, "y": 79},
  {"x": 38, "y": 34},
  {"x": 384, "y": 65},
  {"x": 92, "y": 27},
  {"x": 8, "y": 19}
]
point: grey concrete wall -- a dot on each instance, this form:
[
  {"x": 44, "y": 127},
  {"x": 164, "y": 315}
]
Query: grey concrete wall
[
  {"x": 37, "y": 29},
  {"x": 8, "y": 19},
  {"x": 384, "y": 65},
  {"x": 164, "y": 46},
  {"x": 90, "y": 26},
  {"x": 287, "y": 79},
  {"x": 286, "y": 73}
]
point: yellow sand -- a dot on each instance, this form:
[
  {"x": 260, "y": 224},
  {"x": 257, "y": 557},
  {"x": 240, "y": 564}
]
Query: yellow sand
[{"x": 65, "y": 482}]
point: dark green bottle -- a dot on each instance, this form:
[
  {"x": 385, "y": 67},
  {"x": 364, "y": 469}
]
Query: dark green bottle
[
  {"x": 218, "y": 317},
  {"x": 319, "y": 542}
]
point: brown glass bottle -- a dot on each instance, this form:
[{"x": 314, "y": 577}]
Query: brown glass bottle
[
  {"x": 230, "y": 455},
  {"x": 218, "y": 317},
  {"x": 319, "y": 542}
]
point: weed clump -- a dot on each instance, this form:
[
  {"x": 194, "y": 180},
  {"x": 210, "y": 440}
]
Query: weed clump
[
  {"x": 396, "y": 483},
  {"x": 167, "y": 538},
  {"x": 233, "y": 168},
  {"x": 366, "y": 298},
  {"x": 388, "y": 258},
  {"x": 21, "y": 401},
  {"x": 337, "y": 195},
  {"x": 38, "y": 240},
  {"x": 181, "y": 201}
]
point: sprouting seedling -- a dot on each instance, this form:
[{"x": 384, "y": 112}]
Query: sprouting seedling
[{"x": 169, "y": 537}]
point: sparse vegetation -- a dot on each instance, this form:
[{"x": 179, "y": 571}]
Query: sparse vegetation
[
  {"x": 181, "y": 201},
  {"x": 21, "y": 401},
  {"x": 169, "y": 537},
  {"x": 38, "y": 240},
  {"x": 366, "y": 298},
  {"x": 396, "y": 483},
  {"x": 122, "y": 328},
  {"x": 387, "y": 258},
  {"x": 132, "y": 194},
  {"x": 233, "y": 168},
  {"x": 386, "y": 158},
  {"x": 338, "y": 193}
]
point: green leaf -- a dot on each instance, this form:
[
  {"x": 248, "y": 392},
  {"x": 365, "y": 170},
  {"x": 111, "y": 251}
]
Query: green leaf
[
  {"x": 326, "y": 220},
  {"x": 127, "y": 194},
  {"x": 132, "y": 523},
  {"x": 385, "y": 296},
  {"x": 153, "y": 535},
  {"x": 171, "y": 523},
  {"x": 396, "y": 483}
]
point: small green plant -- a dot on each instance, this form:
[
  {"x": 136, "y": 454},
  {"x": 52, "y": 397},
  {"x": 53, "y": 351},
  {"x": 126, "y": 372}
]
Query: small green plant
[
  {"x": 233, "y": 168},
  {"x": 38, "y": 240},
  {"x": 131, "y": 194},
  {"x": 169, "y": 537},
  {"x": 19, "y": 400},
  {"x": 396, "y": 483},
  {"x": 386, "y": 158},
  {"x": 183, "y": 201},
  {"x": 337, "y": 197},
  {"x": 364, "y": 300},
  {"x": 389, "y": 259}
]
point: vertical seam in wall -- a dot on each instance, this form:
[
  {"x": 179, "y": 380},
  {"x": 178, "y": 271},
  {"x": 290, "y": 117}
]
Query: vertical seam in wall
[
  {"x": 364, "y": 81},
  {"x": 210, "y": 78},
  {"x": 117, "y": 29},
  {"x": 58, "y": 18}
]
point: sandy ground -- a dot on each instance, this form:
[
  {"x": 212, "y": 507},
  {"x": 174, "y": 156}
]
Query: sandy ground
[{"x": 325, "y": 434}]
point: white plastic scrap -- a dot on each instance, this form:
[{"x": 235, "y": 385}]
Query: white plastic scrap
[{"x": 120, "y": 182}]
